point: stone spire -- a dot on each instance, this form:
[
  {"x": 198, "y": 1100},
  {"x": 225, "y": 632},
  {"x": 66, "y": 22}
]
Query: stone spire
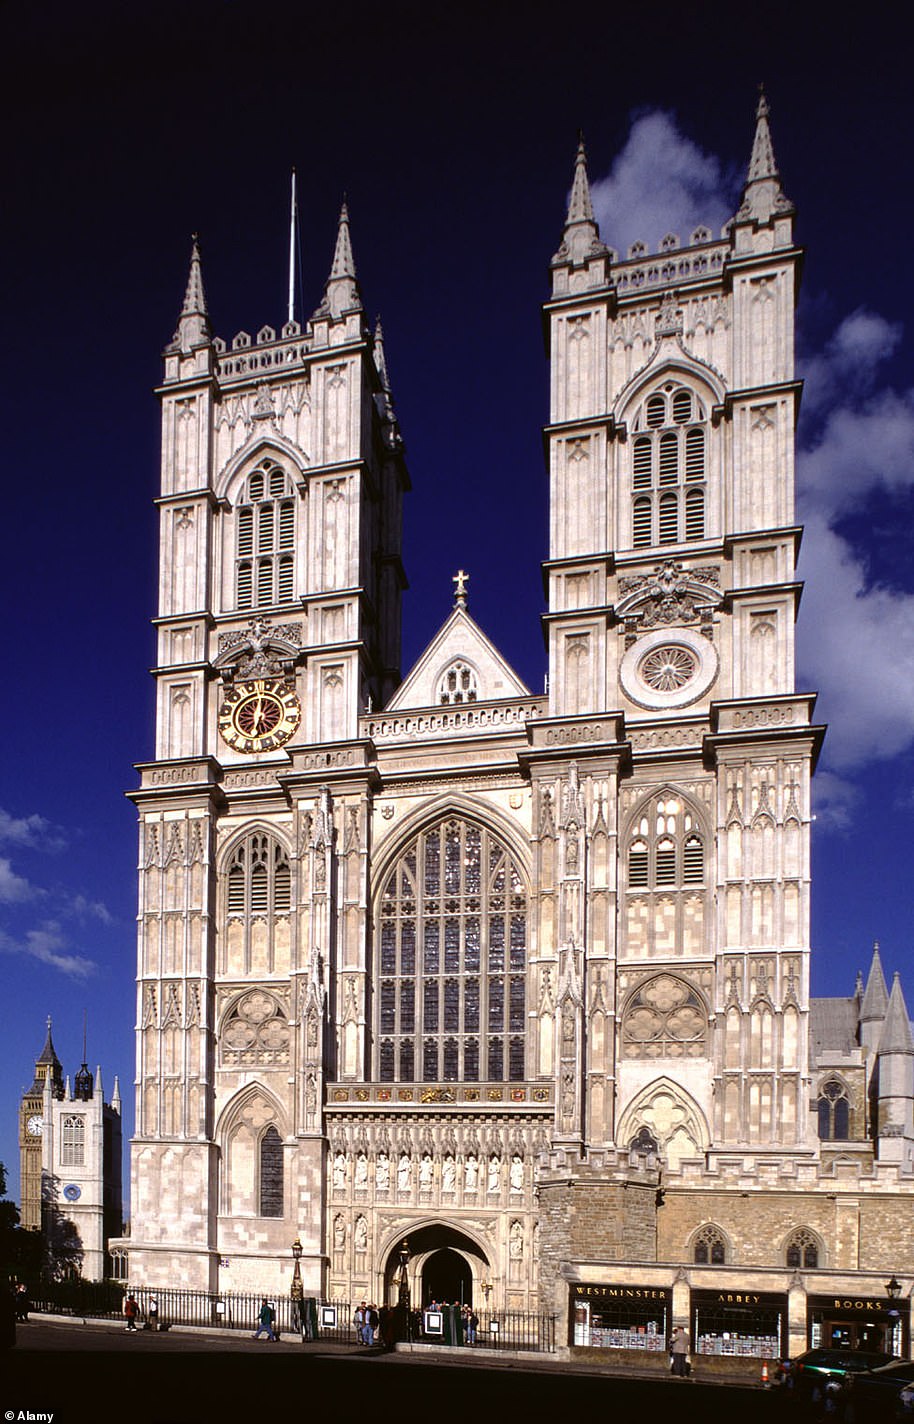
[
  {"x": 896, "y": 1029},
  {"x": 876, "y": 995},
  {"x": 193, "y": 323},
  {"x": 48, "y": 1067},
  {"x": 763, "y": 196},
  {"x": 341, "y": 293},
  {"x": 581, "y": 235},
  {"x": 873, "y": 1005},
  {"x": 380, "y": 359}
]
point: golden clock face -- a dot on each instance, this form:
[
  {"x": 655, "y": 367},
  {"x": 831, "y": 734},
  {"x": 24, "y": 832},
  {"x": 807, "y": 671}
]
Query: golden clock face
[{"x": 259, "y": 716}]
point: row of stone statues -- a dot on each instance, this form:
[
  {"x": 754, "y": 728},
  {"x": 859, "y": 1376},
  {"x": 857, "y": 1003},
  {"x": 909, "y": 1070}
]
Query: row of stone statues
[{"x": 473, "y": 1170}]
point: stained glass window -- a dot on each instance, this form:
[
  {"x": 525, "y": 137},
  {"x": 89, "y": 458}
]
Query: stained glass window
[{"x": 458, "y": 894}]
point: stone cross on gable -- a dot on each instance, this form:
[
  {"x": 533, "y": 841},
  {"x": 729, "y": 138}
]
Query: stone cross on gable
[{"x": 460, "y": 581}]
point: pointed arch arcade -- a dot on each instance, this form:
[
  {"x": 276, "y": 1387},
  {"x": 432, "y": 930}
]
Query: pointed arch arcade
[{"x": 451, "y": 969}]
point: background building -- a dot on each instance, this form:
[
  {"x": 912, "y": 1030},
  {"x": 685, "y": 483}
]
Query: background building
[
  {"x": 70, "y": 1163},
  {"x": 523, "y": 978}
]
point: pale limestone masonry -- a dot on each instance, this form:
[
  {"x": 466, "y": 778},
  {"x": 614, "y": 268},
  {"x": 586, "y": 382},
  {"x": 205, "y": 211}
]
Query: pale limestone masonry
[{"x": 521, "y": 979}]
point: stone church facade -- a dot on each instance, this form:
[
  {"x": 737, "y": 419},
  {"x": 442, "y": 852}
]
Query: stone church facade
[{"x": 523, "y": 979}]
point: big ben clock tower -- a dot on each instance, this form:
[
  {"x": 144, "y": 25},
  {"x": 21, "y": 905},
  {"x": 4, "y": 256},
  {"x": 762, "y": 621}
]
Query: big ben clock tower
[{"x": 32, "y": 1128}]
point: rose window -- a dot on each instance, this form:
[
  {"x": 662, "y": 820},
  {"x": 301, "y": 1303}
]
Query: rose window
[
  {"x": 256, "y": 1031},
  {"x": 665, "y": 1019},
  {"x": 667, "y": 669}
]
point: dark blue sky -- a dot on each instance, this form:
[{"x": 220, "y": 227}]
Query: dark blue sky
[{"x": 452, "y": 131}]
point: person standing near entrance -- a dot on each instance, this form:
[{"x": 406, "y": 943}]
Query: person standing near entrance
[
  {"x": 131, "y": 1311},
  {"x": 679, "y": 1351}
]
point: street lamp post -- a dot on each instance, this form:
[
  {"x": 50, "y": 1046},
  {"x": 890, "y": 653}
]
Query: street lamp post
[
  {"x": 893, "y": 1288},
  {"x": 297, "y": 1291},
  {"x": 403, "y": 1291}
]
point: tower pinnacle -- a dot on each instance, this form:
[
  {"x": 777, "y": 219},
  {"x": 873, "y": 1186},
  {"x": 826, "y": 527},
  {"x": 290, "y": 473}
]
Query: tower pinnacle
[
  {"x": 581, "y": 236},
  {"x": 763, "y": 196},
  {"x": 341, "y": 293},
  {"x": 193, "y": 324}
]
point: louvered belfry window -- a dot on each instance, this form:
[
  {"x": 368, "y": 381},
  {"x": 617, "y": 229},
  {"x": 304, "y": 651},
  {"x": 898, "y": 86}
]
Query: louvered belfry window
[
  {"x": 665, "y": 848},
  {"x": 668, "y": 469},
  {"x": 265, "y": 539},
  {"x": 452, "y": 960}
]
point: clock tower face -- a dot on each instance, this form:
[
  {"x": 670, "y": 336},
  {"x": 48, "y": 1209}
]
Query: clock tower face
[
  {"x": 35, "y": 1125},
  {"x": 259, "y": 715}
]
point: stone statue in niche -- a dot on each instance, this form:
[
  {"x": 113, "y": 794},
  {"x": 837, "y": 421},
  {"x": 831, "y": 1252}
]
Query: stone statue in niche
[
  {"x": 339, "y": 1170},
  {"x": 425, "y": 1171},
  {"x": 516, "y": 1244},
  {"x": 339, "y": 1232},
  {"x": 404, "y": 1173},
  {"x": 494, "y": 1172},
  {"x": 361, "y": 1234},
  {"x": 471, "y": 1172},
  {"x": 361, "y": 1170},
  {"x": 382, "y": 1172},
  {"x": 449, "y": 1174},
  {"x": 516, "y": 1174}
]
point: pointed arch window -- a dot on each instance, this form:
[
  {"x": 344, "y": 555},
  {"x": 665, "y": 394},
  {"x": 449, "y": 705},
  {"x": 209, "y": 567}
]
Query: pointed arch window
[
  {"x": 73, "y": 1142},
  {"x": 666, "y": 848},
  {"x": 257, "y": 892},
  {"x": 265, "y": 539},
  {"x": 665, "y": 1018},
  {"x": 271, "y": 1173},
  {"x": 802, "y": 1251},
  {"x": 833, "y": 1111},
  {"x": 709, "y": 1247},
  {"x": 669, "y": 468},
  {"x": 451, "y": 989},
  {"x": 457, "y": 684}
]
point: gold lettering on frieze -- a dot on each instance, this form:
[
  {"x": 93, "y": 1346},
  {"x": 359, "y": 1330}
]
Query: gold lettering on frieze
[{"x": 737, "y": 1298}]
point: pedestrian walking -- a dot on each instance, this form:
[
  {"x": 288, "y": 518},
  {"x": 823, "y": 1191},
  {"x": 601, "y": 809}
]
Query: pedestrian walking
[
  {"x": 22, "y": 1302},
  {"x": 679, "y": 1352},
  {"x": 265, "y": 1318},
  {"x": 131, "y": 1311},
  {"x": 153, "y": 1313}
]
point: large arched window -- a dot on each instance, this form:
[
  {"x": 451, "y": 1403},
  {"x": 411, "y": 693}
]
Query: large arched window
[
  {"x": 451, "y": 976},
  {"x": 666, "y": 878},
  {"x": 265, "y": 539},
  {"x": 668, "y": 468},
  {"x": 271, "y": 1174},
  {"x": 833, "y": 1111}
]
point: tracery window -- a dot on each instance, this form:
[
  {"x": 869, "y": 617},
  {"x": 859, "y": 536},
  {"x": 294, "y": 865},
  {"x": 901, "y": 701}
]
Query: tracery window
[
  {"x": 833, "y": 1112},
  {"x": 665, "y": 847},
  {"x": 73, "y": 1142},
  {"x": 803, "y": 1251},
  {"x": 258, "y": 899},
  {"x": 665, "y": 1018},
  {"x": 669, "y": 468},
  {"x": 271, "y": 1174},
  {"x": 457, "y": 684},
  {"x": 709, "y": 1247},
  {"x": 265, "y": 539},
  {"x": 451, "y": 976}
]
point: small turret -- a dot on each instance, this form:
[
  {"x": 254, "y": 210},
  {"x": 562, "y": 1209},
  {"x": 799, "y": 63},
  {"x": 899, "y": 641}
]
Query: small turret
[
  {"x": 48, "y": 1068},
  {"x": 894, "y": 1083},
  {"x": 581, "y": 235},
  {"x": 193, "y": 324},
  {"x": 763, "y": 196},
  {"x": 874, "y": 1004},
  {"x": 341, "y": 294}
]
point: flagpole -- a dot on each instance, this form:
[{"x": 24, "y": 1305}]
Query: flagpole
[{"x": 292, "y": 217}]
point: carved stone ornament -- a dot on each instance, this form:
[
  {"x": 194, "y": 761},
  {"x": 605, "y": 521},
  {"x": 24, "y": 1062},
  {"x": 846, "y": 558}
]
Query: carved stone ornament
[
  {"x": 259, "y": 650},
  {"x": 670, "y": 596}
]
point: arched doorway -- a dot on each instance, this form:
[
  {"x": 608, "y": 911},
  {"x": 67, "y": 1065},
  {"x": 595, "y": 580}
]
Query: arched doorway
[
  {"x": 444, "y": 1265},
  {"x": 447, "y": 1278}
]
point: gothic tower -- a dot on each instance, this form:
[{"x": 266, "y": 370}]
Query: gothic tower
[
  {"x": 684, "y": 907},
  {"x": 280, "y": 583}
]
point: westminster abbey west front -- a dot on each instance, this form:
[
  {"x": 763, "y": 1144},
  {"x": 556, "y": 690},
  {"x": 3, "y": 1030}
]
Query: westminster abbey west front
[{"x": 522, "y": 979}]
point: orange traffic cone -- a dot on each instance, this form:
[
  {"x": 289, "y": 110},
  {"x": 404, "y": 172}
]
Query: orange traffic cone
[{"x": 765, "y": 1380}]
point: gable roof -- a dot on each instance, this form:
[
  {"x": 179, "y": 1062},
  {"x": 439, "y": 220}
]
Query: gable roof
[{"x": 459, "y": 640}]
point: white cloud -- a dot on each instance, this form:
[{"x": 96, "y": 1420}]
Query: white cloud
[
  {"x": 32, "y": 831},
  {"x": 85, "y": 909},
  {"x": 834, "y": 801},
  {"x": 661, "y": 182},
  {"x": 848, "y": 365},
  {"x": 13, "y": 888},
  {"x": 47, "y": 944}
]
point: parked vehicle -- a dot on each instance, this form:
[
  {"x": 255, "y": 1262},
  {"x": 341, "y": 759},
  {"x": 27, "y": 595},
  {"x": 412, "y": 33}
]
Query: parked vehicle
[
  {"x": 820, "y": 1377},
  {"x": 884, "y": 1393}
]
